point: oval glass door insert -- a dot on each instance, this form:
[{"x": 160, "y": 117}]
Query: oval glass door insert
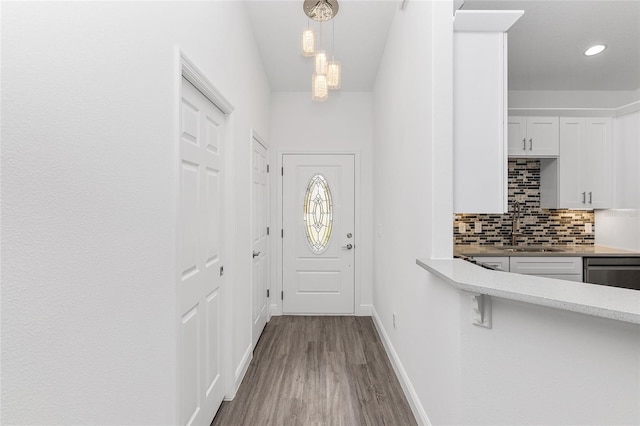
[{"x": 318, "y": 213}]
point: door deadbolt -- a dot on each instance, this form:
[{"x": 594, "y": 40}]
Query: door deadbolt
[{"x": 349, "y": 235}]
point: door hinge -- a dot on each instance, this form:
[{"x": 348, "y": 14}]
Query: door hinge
[
  {"x": 221, "y": 270},
  {"x": 267, "y": 230},
  {"x": 282, "y": 233},
  {"x": 282, "y": 295},
  {"x": 267, "y": 293},
  {"x": 267, "y": 168},
  {"x": 281, "y": 171}
]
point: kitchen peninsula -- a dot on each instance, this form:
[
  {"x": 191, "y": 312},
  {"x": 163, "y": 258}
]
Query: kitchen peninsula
[{"x": 602, "y": 301}]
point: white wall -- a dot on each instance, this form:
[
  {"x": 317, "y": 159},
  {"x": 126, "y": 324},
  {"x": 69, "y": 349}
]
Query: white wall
[
  {"x": 544, "y": 366},
  {"x": 89, "y": 186},
  {"x": 413, "y": 204},
  {"x": 343, "y": 123},
  {"x": 619, "y": 228}
]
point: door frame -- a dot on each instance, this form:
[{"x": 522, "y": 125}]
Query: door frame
[
  {"x": 186, "y": 68},
  {"x": 255, "y": 135},
  {"x": 277, "y": 286}
]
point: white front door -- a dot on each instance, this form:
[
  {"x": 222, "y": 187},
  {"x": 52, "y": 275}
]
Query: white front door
[
  {"x": 318, "y": 234},
  {"x": 260, "y": 185},
  {"x": 200, "y": 255}
]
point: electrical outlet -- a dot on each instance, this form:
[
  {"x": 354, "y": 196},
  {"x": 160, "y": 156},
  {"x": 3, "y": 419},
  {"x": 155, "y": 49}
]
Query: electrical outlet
[
  {"x": 477, "y": 228},
  {"x": 588, "y": 228},
  {"x": 462, "y": 227},
  {"x": 394, "y": 320}
]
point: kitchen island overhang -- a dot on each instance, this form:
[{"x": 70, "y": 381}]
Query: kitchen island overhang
[{"x": 607, "y": 302}]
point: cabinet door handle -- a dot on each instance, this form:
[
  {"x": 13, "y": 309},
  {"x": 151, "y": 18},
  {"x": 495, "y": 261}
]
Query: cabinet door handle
[
  {"x": 524, "y": 144},
  {"x": 591, "y": 198},
  {"x": 584, "y": 197},
  {"x": 530, "y": 144}
]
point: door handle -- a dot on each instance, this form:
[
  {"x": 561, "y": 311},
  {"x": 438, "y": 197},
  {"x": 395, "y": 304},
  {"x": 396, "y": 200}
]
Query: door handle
[
  {"x": 524, "y": 144},
  {"x": 591, "y": 198},
  {"x": 530, "y": 144},
  {"x": 347, "y": 247},
  {"x": 256, "y": 254},
  {"x": 584, "y": 198}
]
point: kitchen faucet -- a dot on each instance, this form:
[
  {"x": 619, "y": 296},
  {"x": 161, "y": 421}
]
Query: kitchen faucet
[{"x": 515, "y": 222}]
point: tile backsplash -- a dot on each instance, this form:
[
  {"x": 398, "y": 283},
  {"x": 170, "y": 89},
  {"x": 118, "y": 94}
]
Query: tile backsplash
[{"x": 537, "y": 225}]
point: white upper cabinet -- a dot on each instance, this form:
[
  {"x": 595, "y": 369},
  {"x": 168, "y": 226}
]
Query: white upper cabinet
[
  {"x": 581, "y": 178},
  {"x": 626, "y": 157},
  {"x": 598, "y": 170},
  {"x": 571, "y": 164},
  {"x": 480, "y": 110},
  {"x": 479, "y": 105},
  {"x": 533, "y": 137}
]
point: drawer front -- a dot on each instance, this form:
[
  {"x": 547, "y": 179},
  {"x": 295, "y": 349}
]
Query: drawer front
[
  {"x": 501, "y": 263},
  {"x": 546, "y": 265}
]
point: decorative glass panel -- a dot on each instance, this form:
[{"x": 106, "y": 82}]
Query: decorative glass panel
[{"x": 318, "y": 213}]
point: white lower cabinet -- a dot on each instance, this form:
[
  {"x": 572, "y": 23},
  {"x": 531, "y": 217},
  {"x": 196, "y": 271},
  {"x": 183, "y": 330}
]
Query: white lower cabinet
[
  {"x": 501, "y": 263},
  {"x": 564, "y": 268},
  {"x": 561, "y": 268}
]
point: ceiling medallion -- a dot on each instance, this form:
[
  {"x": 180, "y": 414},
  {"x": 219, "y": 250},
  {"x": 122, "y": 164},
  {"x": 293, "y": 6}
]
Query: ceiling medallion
[{"x": 321, "y": 10}]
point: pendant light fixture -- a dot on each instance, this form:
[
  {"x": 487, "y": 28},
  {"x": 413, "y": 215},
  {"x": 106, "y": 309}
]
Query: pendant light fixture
[
  {"x": 321, "y": 62},
  {"x": 321, "y": 58},
  {"x": 308, "y": 41},
  {"x": 326, "y": 74},
  {"x": 319, "y": 89},
  {"x": 333, "y": 68}
]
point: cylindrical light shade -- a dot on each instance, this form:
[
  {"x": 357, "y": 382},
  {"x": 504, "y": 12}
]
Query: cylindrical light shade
[
  {"x": 319, "y": 90},
  {"x": 308, "y": 42},
  {"x": 321, "y": 62},
  {"x": 333, "y": 75}
]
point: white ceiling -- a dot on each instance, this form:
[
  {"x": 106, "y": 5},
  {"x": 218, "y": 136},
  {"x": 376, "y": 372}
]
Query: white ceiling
[
  {"x": 361, "y": 29},
  {"x": 546, "y": 46}
]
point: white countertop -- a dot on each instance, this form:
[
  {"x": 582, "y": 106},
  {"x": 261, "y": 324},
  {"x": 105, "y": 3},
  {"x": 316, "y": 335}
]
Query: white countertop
[{"x": 609, "y": 302}]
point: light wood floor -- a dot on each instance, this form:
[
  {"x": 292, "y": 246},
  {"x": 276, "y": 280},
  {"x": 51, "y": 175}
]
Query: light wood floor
[{"x": 318, "y": 371}]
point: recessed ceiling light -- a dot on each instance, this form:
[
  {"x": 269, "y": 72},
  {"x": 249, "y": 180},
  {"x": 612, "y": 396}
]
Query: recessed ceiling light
[{"x": 594, "y": 50}]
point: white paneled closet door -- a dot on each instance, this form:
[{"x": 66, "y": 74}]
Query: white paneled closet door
[
  {"x": 259, "y": 238},
  {"x": 201, "y": 257}
]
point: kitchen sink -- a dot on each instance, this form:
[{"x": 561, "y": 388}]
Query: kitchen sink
[{"x": 527, "y": 249}]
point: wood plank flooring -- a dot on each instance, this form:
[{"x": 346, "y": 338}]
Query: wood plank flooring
[{"x": 318, "y": 371}]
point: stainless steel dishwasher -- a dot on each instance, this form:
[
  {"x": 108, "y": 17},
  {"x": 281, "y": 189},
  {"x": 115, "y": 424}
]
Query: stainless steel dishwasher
[{"x": 613, "y": 271}]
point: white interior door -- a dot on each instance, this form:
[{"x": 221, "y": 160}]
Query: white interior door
[
  {"x": 200, "y": 254},
  {"x": 260, "y": 185},
  {"x": 318, "y": 234}
]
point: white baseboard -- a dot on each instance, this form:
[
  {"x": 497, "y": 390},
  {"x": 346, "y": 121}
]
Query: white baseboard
[
  {"x": 241, "y": 370},
  {"x": 407, "y": 387},
  {"x": 365, "y": 311},
  {"x": 274, "y": 310}
]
